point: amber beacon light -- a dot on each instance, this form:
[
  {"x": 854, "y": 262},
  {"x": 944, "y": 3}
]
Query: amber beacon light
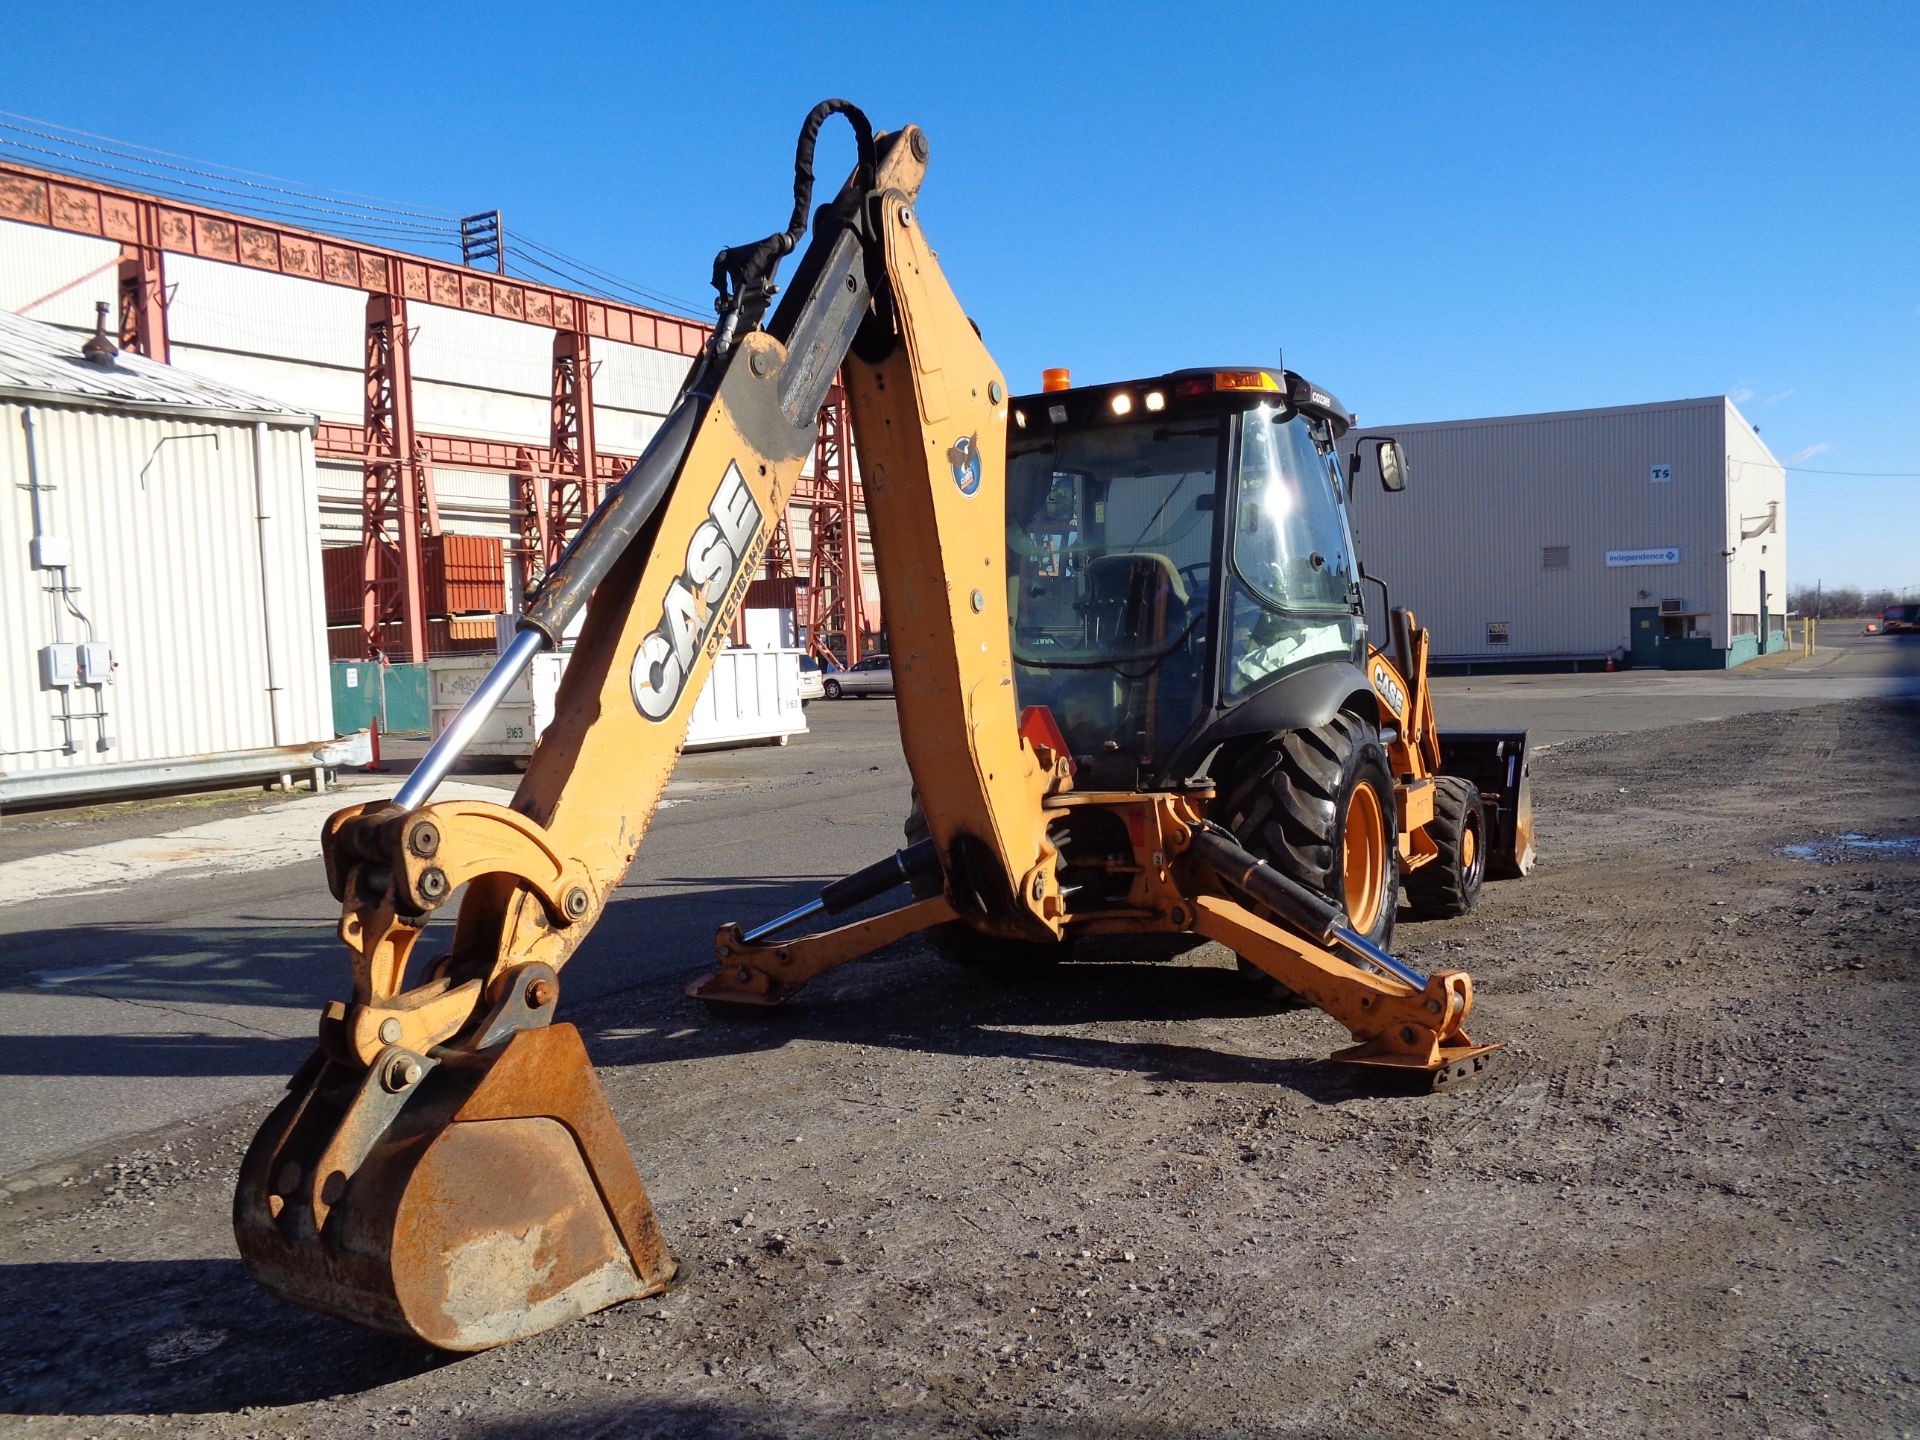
[{"x": 1056, "y": 379}]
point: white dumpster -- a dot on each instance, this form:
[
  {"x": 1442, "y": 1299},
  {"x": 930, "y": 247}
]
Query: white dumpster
[{"x": 752, "y": 697}]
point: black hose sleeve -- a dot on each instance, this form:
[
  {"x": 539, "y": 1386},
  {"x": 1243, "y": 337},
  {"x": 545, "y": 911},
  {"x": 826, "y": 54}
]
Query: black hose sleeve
[
  {"x": 1311, "y": 914},
  {"x": 880, "y": 877}
]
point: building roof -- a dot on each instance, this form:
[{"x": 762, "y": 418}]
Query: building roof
[
  {"x": 43, "y": 363},
  {"x": 1695, "y": 403}
]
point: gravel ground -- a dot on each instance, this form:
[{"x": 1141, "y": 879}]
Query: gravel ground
[{"x": 1122, "y": 1201}]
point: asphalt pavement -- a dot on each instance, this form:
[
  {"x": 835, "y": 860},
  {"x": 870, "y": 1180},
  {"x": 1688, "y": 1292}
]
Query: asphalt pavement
[{"x": 160, "y": 962}]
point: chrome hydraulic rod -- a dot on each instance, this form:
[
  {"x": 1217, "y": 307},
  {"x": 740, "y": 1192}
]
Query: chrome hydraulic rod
[
  {"x": 562, "y": 591},
  {"x": 486, "y": 698},
  {"x": 875, "y": 879}
]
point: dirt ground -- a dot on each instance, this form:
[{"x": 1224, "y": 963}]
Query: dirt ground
[{"x": 1123, "y": 1202}]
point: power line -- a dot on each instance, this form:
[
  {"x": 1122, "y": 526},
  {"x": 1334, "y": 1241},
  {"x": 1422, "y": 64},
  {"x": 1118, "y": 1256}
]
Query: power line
[
  {"x": 659, "y": 297},
  {"x": 1860, "y": 474},
  {"x": 124, "y": 150},
  {"x": 346, "y": 213},
  {"x": 291, "y": 210},
  {"x": 633, "y": 294},
  {"x": 1811, "y": 470}
]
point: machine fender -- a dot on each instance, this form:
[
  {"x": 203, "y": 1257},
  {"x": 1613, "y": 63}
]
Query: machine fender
[{"x": 1304, "y": 700}]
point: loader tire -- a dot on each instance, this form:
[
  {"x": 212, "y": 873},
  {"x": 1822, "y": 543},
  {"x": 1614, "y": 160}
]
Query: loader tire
[
  {"x": 958, "y": 943},
  {"x": 1300, "y": 803},
  {"x": 1449, "y": 884}
]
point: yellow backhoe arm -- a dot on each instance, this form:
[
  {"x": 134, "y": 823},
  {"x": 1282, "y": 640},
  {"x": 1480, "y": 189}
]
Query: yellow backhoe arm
[{"x": 375, "y": 1191}]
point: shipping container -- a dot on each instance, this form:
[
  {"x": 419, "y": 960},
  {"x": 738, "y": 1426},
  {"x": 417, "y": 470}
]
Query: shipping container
[{"x": 465, "y": 575}]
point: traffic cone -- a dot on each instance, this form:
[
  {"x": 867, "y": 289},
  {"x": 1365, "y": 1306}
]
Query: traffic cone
[
  {"x": 373, "y": 766},
  {"x": 1610, "y": 665}
]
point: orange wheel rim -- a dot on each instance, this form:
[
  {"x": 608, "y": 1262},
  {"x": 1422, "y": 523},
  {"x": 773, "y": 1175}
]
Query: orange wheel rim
[
  {"x": 1363, "y": 853},
  {"x": 1469, "y": 850}
]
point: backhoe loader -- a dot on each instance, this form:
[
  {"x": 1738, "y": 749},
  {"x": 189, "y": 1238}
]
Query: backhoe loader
[{"x": 1135, "y": 696}]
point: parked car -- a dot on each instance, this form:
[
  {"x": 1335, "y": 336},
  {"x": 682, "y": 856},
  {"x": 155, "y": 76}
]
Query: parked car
[
  {"x": 872, "y": 676},
  {"x": 810, "y": 686}
]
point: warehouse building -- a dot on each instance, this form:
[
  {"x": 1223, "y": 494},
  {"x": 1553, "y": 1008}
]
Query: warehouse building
[
  {"x": 1653, "y": 535},
  {"x": 161, "y": 616},
  {"x": 455, "y": 403}
]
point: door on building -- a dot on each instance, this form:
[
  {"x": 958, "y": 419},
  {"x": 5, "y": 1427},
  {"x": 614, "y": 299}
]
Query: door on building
[
  {"x": 1646, "y": 635},
  {"x": 1764, "y": 632}
]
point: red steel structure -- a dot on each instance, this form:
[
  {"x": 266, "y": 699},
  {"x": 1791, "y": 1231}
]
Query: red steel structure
[
  {"x": 835, "y": 598},
  {"x": 556, "y": 486},
  {"x": 573, "y": 487},
  {"x": 395, "y": 498}
]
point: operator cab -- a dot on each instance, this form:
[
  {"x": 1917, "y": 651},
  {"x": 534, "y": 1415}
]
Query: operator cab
[{"x": 1176, "y": 546}]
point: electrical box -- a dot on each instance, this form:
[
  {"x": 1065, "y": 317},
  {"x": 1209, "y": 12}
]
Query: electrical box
[
  {"x": 59, "y": 667},
  {"x": 96, "y": 663},
  {"x": 51, "y": 552}
]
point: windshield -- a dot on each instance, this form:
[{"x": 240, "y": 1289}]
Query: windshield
[{"x": 1110, "y": 547}]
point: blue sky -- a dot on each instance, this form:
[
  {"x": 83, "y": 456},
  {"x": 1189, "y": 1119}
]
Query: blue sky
[{"x": 1438, "y": 211}]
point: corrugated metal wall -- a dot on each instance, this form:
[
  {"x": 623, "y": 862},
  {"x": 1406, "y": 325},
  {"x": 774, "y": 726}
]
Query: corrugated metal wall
[
  {"x": 166, "y": 555},
  {"x": 40, "y": 262},
  {"x": 1467, "y": 544}
]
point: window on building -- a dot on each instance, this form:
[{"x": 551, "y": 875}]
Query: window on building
[
  {"x": 1745, "y": 625},
  {"x": 1776, "y": 622},
  {"x": 1556, "y": 557}
]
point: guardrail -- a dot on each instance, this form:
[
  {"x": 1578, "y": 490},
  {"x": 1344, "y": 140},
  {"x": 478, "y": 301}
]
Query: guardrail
[{"x": 68, "y": 784}]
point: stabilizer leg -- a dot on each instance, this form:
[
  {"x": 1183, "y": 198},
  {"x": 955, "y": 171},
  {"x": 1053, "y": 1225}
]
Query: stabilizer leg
[{"x": 765, "y": 975}]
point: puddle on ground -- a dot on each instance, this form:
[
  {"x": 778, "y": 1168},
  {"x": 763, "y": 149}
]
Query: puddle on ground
[{"x": 1848, "y": 846}]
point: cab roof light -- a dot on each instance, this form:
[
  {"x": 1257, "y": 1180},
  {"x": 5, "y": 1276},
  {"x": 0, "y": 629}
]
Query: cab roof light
[
  {"x": 1244, "y": 380},
  {"x": 1156, "y": 401},
  {"x": 1056, "y": 379},
  {"x": 1122, "y": 404}
]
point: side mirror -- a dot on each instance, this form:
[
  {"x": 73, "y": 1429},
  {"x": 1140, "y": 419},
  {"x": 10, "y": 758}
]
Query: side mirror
[
  {"x": 1391, "y": 459},
  {"x": 1393, "y": 467}
]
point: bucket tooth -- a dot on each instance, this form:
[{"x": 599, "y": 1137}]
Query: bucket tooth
[{"x": 499, "y": 1201}]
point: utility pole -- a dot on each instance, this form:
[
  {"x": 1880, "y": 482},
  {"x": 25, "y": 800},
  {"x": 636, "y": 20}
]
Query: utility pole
[{"x": 484, "y": 237}]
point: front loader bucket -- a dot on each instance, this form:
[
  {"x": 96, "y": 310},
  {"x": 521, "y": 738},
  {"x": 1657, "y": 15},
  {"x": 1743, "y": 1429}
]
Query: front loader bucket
[
  {"x": 493, "y": 1199},
  {"x": 1496, "y": 761}
]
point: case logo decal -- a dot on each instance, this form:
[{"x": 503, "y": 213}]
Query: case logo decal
[
  {"x": 1389, "y": 688},
  {"x": 718, "y": 555}
]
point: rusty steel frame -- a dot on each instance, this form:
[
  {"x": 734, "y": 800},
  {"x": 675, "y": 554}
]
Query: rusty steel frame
[
  {"x": 836, "y": 599},
  {"x": 573, "y": 483},
  {"x": 554, "y": 489},
  {"x": 396, "y": 493},
  {"x": 82, "y": 206},
  {"x": 143, "y": 302}
]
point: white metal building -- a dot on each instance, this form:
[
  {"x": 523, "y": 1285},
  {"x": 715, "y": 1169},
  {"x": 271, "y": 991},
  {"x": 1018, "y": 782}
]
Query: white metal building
[
  {"x": 1652, "y": 533},
  {"x": 160, "y": 592}
]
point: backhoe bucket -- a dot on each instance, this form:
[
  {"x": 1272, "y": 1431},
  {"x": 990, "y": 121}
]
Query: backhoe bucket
[
  {"x": 1496, "y": 761},
  {"x": 466, "y": 1202}
]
